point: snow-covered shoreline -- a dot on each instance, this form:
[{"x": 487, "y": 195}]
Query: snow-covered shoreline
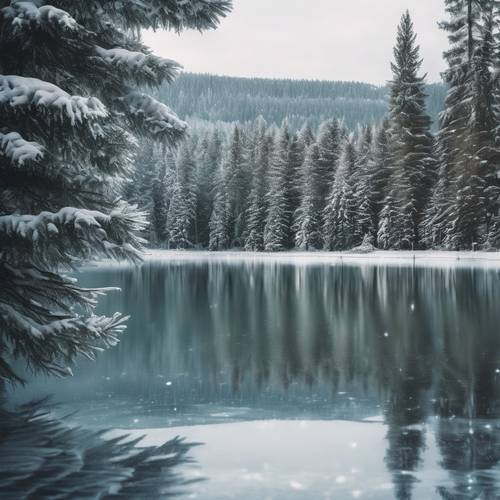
[{"x": 425, "y": 258}]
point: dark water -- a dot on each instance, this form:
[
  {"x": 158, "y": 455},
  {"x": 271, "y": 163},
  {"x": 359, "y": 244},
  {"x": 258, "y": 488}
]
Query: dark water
[{"x": 306, "y": 381}]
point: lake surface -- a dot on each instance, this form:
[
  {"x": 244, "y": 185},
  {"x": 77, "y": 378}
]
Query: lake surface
[{"x": 304, "y": 380}]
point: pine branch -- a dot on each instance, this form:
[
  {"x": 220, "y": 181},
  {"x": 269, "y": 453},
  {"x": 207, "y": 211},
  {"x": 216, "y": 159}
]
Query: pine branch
[{"x": 72, "y": 234}]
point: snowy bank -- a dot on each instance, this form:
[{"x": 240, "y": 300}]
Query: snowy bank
[
  {"x": 425, "y": 258},
  {"x": 378, "y": 257}
]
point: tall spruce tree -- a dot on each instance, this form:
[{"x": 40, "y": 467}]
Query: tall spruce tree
[
  {"x": 257, "y": 208},
  {"x": 236, "y": 185},
  {"x": 293, "y": 188},
  {"x": 277, "y": 230},
  {"x": 69, "y": 109},
  {"x": 207, "y": 161},
  {"x": 220, "y": 219},
  {"x": 306, "y": 136},
  {"x": 340, "y": 212},
  {"x": 378, "y": 175},
  {"x": 182, "y": 208},
  {"x": 329, "y": 143},
  {"x": 388, "y": 230},
  {"x": 466, "y": 194},
  {"x": 410, "y": 141},
  {"x": 159, "y": 209},
  {"x": 308, "y": 215},
  {"x": 364, "y": 188}
]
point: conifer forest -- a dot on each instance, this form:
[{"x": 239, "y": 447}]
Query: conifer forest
[
  {"x": 231, "y": 285},
  {"x": 388, "y": 167}
]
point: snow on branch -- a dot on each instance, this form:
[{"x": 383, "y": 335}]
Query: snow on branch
[
  {"x": 138, "y": 65},
  {"x": 72, "y": 234},
  {"x": 38, "y": 315},
  {"x": 52, "y": 347},
  {"x": 169, "y": 14},
  {"x": 153, "y": 117},
  {"x": 22, "y": 15},
  {"x": 18, "y": 151},
  {"x": 22, "y": 92},
  {"x": 88, "y": 331}
]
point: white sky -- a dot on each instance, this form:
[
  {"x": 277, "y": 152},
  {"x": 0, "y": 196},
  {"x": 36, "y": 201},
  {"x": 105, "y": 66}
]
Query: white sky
[{"x": 312, "y": 39}]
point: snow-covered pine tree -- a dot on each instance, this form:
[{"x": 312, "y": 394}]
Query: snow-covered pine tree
[
  {"x": 364, "y": 188},
  {"x": 378, "y": 173},
  {"x": 237, "y": 185},
  {"x": 257, "y": 203},
  {"x": 388, "y": 229},
  {"x": 466, "y": 194},
  {"x": 148, "y": 186},
  {"x": 220, "y": 237},
  {"x": 340, "y": 211},
  {"x": 207, "y": 163},
  {"x": 329, "y": 142},
  {"x": 69, "y": 107},
  {"x": 160, "y": 202},
  {"x": 306, "y": 136},
  {"x": 410, "y": 139},
  {"x": 293, "y": 180},
  {"x": 182, "y": 208},
  {"x": 308, "y": 215},
  {"x": 277, "y": 230}
]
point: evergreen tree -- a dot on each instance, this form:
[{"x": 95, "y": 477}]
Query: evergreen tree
[
  {"x": 278, "y": 223},
  {"x": 220, "y": 237},
  {"x": 257, "y": 209},
  {"x": 69, "y": 112},
  {"x": 364, "y": 188},
  {"x": 306, "y": 136},
  {"x": 340, "y": 211},
  {"x": 236, "y": 185},
  {"x": 435, "y": 217},
  {"x": 410, "y": 139},
  {"x": 293, "y": 188},
  {"x": 378, "y": 174},
  {"x": 466, "y": 194},
  {"x": 329, "y": 142},
  {"x": 159, "y": 210},
  {"x": 307, "y": 216},
  {"x": 388, "y": 228},
  {"x": 182, "y": 208},
  {"x": 209, "y": 157}
]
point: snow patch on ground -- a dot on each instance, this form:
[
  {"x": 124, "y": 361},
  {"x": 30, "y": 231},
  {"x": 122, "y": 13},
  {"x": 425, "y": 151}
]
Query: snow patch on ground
[
  {"x": 425, "y": 258},
  {"x": 377, "y": 257}
]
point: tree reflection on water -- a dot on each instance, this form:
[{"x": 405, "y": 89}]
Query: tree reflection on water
[{"x": 419, "y": 345}]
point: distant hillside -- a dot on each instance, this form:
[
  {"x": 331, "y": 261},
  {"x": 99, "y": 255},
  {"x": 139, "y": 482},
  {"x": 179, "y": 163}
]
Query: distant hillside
[{"x": 228, "y": 99}]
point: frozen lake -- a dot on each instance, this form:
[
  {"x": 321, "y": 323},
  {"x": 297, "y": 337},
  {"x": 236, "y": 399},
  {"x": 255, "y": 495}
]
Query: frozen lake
[{"x": 304, "y": 379}]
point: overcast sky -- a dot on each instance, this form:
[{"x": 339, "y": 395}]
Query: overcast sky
[{"x": 312, "y": 39}]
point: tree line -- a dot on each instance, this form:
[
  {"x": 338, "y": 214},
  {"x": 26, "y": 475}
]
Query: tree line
[{"x": 394, "y": 185}]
